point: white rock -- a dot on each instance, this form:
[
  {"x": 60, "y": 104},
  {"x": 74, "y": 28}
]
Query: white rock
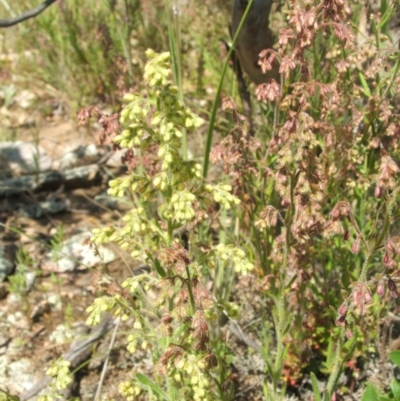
[
  {"x": 24, "y": 157},
  {"x": 75, "y": 253}
]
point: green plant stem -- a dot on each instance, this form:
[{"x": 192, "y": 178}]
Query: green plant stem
[
  {"x": 381, "y": 239},
  {"x": 221, "y": 390},
  {"x": 279, "y": 338},
  {"x": 170, "y": 232},
  {"x": 364, "y": 270},
  {"x": 388, "y": 216},
  {"x": 170, "y": 222},
  {"x": 218, "y": 93},
  {"x": 281, "y": 315},
  {"x": 394, "y": 76},
  {"x": 176, "y": 58},
  {"x": 334, "y": 376},
  {"x": 288, "y": 220},
  {"x": 190, "y": 290}
]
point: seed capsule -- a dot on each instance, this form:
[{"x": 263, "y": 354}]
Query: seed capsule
[
  {"x": 342, "y": 309},
  {"x": 392, "y": 288},
  {"x": 340, "y": 320},
  {"x": 380, "y": 290},
  {"x": 356, "y": 246}
]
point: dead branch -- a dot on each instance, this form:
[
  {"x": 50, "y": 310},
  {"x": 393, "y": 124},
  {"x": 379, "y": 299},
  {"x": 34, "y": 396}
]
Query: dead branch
[
  {"x": 6, "y": 23},
  {"x": 79, "y": 352}
]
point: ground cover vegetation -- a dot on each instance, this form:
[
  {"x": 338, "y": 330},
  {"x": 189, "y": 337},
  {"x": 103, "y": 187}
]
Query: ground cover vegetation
[{"x": 285, "y": 243}]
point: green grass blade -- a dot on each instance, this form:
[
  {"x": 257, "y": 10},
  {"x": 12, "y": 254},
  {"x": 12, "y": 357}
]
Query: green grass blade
[
  {"x": 217, "y": 95},
  {"x": 314, "y": 382},
  {"x": 145, "y": 381}
]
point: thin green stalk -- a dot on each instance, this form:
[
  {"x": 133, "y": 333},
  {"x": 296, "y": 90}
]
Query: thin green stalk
[
  {"x": 339, "y": 363},
  {"x": 281, "y": 316},
  {"x": 190, "y": 290},
  {"x": 393, "y": 78},
  {"x": 170, "y": 224},
  {"x": 170, "y": 232},
  {"x": 218, "y": 93},
  {"x": 176, "y": 57},
  {"x": 382, "y": 237},
  {"x": 220, "y": 272},
  {"x": 125, "y": 45},
  {"x": 334, "y": 376},
  {"x": 279, "y": 337},
  {"x": 289, "y": 219}
]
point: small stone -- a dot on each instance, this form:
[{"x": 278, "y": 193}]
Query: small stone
[
  {"x": 76, "y": 253},
  {"x": 24, "y": 157}
]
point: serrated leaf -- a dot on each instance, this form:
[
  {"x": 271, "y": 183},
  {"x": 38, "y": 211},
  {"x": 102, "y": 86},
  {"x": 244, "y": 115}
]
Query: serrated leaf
[
  {"x": 151, "y": 385},
  {"x": 370, "y": 394},
  {"x": 314, "y": 382},
  {"x": 350, "y": 347},
  {"x": 330, "y": 355},
  {"x": 395, "y": 357}
]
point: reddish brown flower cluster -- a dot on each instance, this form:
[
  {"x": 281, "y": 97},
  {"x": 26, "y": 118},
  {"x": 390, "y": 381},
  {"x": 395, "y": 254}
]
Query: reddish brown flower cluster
[
  {"x": 173, "y": 353},
  {"x": 149, "y": 160},
  {"x": 175, "y": 258},
  {"x": 201, "y": 295},
  {"x": 335, "y": 10},
  {"x": 196, "y": 335},
  {"x": 111, "y": 128},
  {"x": 270, "y": 91},
  {"x": 268, "y": 217},
  {"x": 361, "y": 297},
  {"x": 299, "y": 179},
  {"x": 342, "y": 312},
  {"x": 236, "y": 155},
  {"x": 305, "y": 22},
  {"x": 166, "y": 321},
  {"x": 392, "y": 249},
  {"x": 200, "y": 332},
  {"x": 305, "y": 25},
  {"x": 266, "y": 60},
  {"x": 109, "y": 123},
  {"x": 334, "y": 225},
  {"x": 388, "y": 171}
]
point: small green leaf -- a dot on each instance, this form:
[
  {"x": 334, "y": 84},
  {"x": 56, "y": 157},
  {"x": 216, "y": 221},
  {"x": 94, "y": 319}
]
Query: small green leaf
[
  {"x": 289, "y": 285},
  {"x": 269, "y": 367},
  {"x": 159, "y": 268},
  {"x": 386, "y": 14},
  {"x": 395, "y": 387},
  {"x": 153, "y": 387},
  {"x": 330, "y": 355},
  {"x": 395, "y": 357},
  {"x": 317, "y": 396},
  {"x": 287, "y": 328},
  {"x": 364, "y": 84},
  {"x": 370, "y": 394}
]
